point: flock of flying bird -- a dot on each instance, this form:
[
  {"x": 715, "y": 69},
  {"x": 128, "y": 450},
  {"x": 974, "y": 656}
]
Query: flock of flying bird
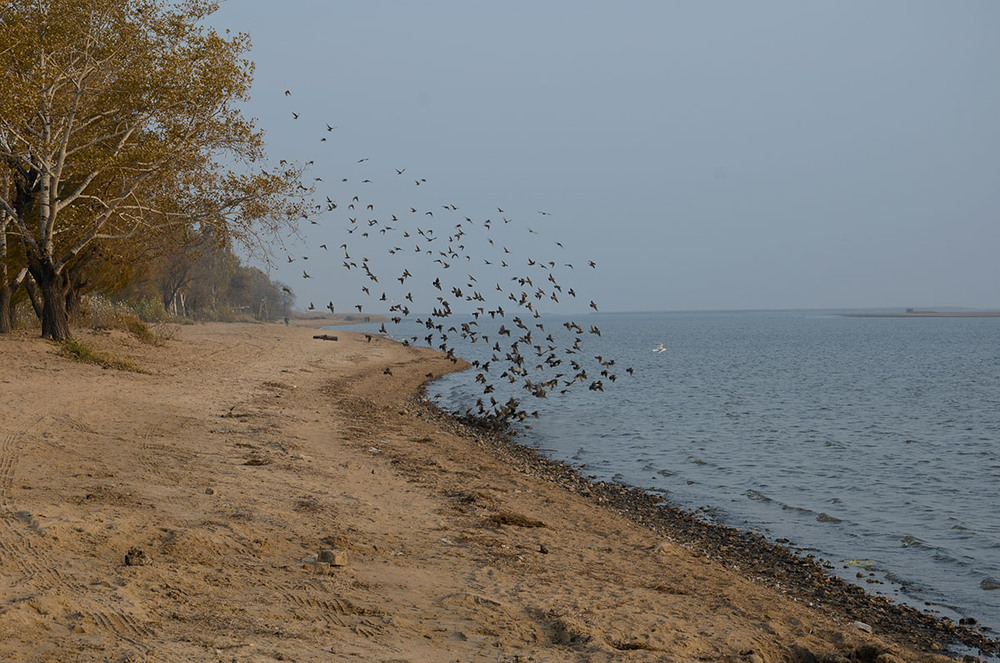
[{"x": 504, "y": 315}]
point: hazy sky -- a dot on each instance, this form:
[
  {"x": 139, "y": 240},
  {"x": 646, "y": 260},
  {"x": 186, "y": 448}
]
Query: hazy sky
[{"x": 707, "y": 155}]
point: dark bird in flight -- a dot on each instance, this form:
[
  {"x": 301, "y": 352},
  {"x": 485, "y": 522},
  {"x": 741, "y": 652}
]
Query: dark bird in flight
[{"x": 519, "y": 338}]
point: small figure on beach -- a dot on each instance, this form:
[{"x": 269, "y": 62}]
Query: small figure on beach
[{"x": 286, "y": 320}]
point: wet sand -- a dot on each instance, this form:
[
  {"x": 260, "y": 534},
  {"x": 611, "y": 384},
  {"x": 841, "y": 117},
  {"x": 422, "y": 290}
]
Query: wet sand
[{"x": 257, "y": 495}]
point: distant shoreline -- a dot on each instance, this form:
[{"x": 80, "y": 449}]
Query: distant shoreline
[
  {"x": 924, "y": 314},
  {"x": 842, "y": 312}
]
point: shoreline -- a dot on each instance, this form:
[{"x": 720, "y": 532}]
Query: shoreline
[
  {"x": 250, "y": 450},
  {"x": 925, "y": 314},
  {"x": 805, "y": 576}
]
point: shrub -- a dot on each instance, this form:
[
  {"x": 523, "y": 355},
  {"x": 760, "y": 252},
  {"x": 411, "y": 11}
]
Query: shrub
[
  {"x": 86, "y": 354},
  {"x": 101, "y": 313},
  {"x": 150, "y": 310}
]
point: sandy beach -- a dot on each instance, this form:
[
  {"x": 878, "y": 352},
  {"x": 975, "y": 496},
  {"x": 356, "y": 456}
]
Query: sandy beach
[{"x": 256, "y": 494}]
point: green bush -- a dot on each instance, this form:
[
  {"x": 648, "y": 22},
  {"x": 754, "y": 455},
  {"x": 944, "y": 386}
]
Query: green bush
[
  {"x": 101, "y": 313},
  {"x": 139, "y": 329},
  {"x": 150, "y": 310}
]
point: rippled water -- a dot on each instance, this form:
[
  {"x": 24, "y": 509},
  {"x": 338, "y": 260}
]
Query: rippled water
[{"x": 874, "y": 442}]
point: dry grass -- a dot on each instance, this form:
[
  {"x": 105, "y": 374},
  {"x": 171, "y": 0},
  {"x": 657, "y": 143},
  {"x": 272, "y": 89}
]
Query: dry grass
[{"x": 81, "y": 352}]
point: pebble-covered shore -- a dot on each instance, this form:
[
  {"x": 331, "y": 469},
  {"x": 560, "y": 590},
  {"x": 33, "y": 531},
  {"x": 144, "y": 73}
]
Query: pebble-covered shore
[{"x": 801, "y": 576}]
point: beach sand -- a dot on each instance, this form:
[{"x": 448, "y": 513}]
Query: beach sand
[{"x": 258, "y": 495}]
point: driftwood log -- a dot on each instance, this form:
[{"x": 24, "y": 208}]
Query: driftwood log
[{"x": 325, "y": 337}]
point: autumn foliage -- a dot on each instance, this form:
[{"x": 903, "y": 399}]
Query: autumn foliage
[{"x": 121, "y": 138}]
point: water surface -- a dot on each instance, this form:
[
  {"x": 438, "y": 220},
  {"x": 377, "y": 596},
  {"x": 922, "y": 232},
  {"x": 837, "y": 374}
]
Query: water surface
[{"x": 873, "y": 442}]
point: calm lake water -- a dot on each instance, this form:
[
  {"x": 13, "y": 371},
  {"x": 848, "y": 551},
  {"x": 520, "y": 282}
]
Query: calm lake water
[{"x": 872, "y": 442}]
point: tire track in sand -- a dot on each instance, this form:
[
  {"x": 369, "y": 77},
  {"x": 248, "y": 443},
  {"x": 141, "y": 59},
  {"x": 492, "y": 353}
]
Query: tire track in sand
[
  {"x": 30, "y": 563},
  {"x": 10, "y": 449},
  {"x": 337, "y": 611}
]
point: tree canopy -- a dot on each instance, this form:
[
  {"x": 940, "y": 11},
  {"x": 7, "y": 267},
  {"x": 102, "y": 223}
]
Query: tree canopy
[{"x": 119, "y": 118}]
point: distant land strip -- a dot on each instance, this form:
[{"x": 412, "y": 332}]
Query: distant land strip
[{"x": 915, "y": 313}]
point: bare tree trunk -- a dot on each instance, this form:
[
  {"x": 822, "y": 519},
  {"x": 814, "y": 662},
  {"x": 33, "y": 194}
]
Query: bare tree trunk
[
  {"x": 74, "y": 302},
  {"x": 6, "y": 311},
  {"x": 34, "y": 295},
  {"x": 55, "y": 321},
  {"x": 6, "y": 288},
  {"x": 54, "y": 287}
]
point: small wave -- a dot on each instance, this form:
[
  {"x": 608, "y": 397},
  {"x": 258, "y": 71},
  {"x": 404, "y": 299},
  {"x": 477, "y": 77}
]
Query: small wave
[
  {"x": 905, "y": 584},
  {"x": 911, "y": 541},
  {"x": 866, "y": 564},
  {"x": 759, "y": 497},
  {"x": 990, "y": 584},
  {"x": 825, "y": 518},
  {"x": 941, "y": 556}
]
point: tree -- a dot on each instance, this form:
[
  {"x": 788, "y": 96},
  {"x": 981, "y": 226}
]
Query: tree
[
  {"x": 120, "y": 117},
  {"x": 11, "y": 275}
]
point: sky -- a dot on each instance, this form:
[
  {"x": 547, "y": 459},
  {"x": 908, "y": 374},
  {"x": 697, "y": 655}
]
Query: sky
[{"x": 705, "y": 155}]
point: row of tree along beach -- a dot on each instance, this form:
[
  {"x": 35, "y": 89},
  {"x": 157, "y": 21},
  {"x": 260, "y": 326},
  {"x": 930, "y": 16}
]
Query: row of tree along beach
[{"x": 127, "y": 168}]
